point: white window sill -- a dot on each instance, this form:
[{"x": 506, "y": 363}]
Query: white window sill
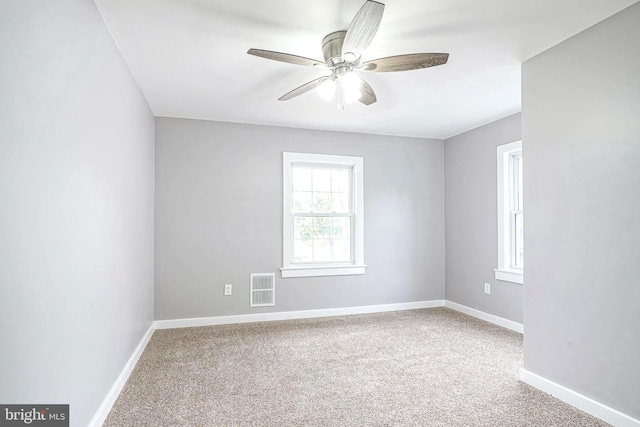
[
  {"x": 315, "y": 271},
  {"x": 509, "y": 276}
]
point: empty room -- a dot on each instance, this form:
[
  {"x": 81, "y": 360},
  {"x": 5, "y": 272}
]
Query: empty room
[{"x": 290, "y": 213}]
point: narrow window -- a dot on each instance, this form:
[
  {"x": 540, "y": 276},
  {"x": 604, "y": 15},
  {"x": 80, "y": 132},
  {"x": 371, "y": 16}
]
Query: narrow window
[
  {"x": 510, "y": 213},
  {"x": 323, "y": 215}
]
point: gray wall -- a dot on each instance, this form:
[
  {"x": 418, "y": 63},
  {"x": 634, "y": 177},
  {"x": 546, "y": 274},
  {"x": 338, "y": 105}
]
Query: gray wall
[
  {"x": 581, "y": 136},
  {"x": 76, "y": 207},
  {"x": 471, "y": 220},
  {"x": 219, "y": 218}
]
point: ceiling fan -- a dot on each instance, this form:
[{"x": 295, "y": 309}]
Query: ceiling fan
[{"x": 342, "y": 52}]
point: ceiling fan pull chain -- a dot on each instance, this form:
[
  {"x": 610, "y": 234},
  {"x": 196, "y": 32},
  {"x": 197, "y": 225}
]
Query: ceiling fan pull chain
[{"x": 340, "y": 97}]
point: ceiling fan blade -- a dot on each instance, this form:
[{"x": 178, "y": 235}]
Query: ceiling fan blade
[
  {"x": 285, "y": 57},
  {"x": 363, "y": 28},
  {"x": 368, "y": 95},
  {"x": 412, "y": 61},
  {"x": 303, "y": 89}
]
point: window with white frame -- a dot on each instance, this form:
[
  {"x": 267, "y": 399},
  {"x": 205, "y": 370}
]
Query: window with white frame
[
  {"x": 323, "y": 215},
  {"x": 510, "y": 214}
]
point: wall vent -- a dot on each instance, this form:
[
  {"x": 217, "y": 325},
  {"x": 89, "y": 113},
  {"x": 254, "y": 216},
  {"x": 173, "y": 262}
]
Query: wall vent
[{"x": 263, "y": 289}]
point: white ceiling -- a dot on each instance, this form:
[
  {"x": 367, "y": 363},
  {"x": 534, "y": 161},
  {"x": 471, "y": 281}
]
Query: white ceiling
[{"x": 189, "y": 58}]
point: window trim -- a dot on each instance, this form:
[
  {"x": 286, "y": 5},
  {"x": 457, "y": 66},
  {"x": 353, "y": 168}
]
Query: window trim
[
  {"x": 505, "y": 271},
  {"x": 357, "y": 266}
]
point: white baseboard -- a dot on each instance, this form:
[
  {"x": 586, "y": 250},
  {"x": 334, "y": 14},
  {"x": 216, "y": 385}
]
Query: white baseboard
[
  {"x": 500, "y": 321},
  {"x": 290, "y": 315},
  {"x": 107, "y": 403},
  {"x": 590, "y": 406}
]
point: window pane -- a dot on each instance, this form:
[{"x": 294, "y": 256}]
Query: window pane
[
  {"x": 301, "y": 178},
  {"x": 303, "y": 228},
  {"x": 321, "y": 179},
  {"x": 341, "y": 180},
  {"x": 520, "y": 175},
  {"x": 340, "y": 203},
  {"x": 516, "y": 182},
  {"x": 301, "y": 201},
  {"x": 341, "y": 239},
  {"x": 322, "y": 250},
  {"x": 303, "y": 221},
  {"x": 321, "y": 202},
  {"x": 302, "y": 250},
  {"x": 341, "y": 228},
  {"x": 322, "y": 227},
  {"x": 303, "y": 233},
  {"x": 518, "y": 260},
  {"x": 341, "y": 250}
]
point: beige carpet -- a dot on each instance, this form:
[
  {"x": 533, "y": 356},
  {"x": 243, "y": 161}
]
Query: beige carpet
[{"x": 431, "y": 367}]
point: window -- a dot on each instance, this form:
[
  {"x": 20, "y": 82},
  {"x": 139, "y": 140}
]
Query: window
[
  {"x": 510, "y": 214},
  {"x": 323, "y": 215}
]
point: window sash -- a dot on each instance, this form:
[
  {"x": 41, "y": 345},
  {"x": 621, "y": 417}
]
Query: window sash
[
  {"x": 351, "y": 259},
  {"x": 313, "y": 214},
  {"x": 301, "y": 214},
  {"x": 329, "y": 166},
  {"x": 514, "y": 260},
  {"x": 515, "y": 208}
]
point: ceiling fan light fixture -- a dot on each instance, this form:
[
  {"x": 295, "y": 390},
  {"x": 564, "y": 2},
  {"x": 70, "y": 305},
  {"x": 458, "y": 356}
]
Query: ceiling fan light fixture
[
  {"x": 351, "y": 85},
  {"x": 350, "y": 57},
  {"x": 327, "y": 89},
  {"x": 351, "y": 82},
  {"x": 351, "y": 94}
]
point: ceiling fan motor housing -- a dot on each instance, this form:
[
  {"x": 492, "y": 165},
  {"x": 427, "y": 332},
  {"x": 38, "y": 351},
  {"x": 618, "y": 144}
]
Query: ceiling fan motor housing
[{"x": 332, "y": 47}]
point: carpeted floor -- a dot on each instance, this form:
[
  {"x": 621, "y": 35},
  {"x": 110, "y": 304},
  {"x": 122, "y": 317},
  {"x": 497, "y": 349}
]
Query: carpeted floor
[{"x": 431, "y": 367}]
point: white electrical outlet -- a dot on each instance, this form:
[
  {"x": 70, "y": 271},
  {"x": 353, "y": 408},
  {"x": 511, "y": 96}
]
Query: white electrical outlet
[
  {"x": 228, "y": 289},
  {"x": 487, "y": 288}
]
